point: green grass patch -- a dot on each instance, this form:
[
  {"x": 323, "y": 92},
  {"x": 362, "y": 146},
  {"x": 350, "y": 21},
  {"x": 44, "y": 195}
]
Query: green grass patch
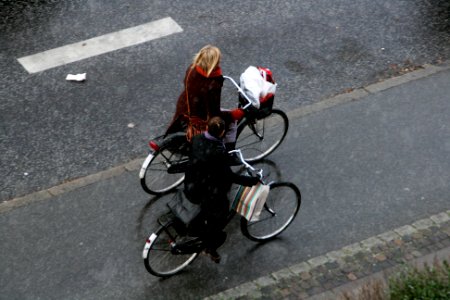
[{"x": 432, "y": 282}]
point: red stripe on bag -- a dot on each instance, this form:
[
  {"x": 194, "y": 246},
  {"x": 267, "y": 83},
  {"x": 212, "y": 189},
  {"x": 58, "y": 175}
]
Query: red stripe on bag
[{"x": 242, "y": 199}]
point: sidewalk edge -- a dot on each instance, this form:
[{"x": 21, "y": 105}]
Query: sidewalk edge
[{"x": 304, "y": 269}]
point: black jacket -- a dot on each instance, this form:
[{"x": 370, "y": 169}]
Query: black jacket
[{"x": 209, "y": 176}]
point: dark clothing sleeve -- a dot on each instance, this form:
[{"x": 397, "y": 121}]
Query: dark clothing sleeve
[{"x": 243, "y": 180}]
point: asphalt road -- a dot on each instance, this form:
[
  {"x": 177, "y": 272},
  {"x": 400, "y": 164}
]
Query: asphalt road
[
  {"x": 52, "y": 131},
  {"x": 364, "y": 167}
]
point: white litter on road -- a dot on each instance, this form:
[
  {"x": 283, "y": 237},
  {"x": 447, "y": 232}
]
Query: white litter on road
[{"x": 77, "y": 77}]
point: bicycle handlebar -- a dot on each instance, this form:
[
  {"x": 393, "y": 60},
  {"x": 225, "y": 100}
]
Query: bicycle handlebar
[
  {"x": 246, "y": 164},
  {"x": 241, "y": 91}
]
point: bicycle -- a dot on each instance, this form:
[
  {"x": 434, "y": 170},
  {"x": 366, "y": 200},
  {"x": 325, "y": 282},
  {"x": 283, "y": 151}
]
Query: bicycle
[
  {"x": 259, "y": 133},
  {"x": 169, "y": 250}
]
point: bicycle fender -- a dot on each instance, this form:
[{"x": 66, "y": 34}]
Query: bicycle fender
[
  {"x": 145, "y": 165},
  {"x": 148, "y": 244}
]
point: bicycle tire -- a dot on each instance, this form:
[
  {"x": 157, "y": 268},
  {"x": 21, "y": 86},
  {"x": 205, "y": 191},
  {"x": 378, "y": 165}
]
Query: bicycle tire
[
  {"x": 154, "y": 176},
  {"x": 280, "y": 209},
  {"x": 159, "y": 259},
  {"x": 259, "y": 138}
]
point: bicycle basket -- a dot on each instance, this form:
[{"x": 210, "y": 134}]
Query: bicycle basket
[{"x": 266, "y": 106}]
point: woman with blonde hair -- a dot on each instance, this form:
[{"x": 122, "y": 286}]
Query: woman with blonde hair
[{"x": 200, "y": 99}]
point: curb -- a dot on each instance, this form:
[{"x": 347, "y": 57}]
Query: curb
[
  {"x": 359, "y": 93},
  {"x": 134, "y": 165},
  {"x": 345, "y": 270},
  {"x": 69, "y": 186}
]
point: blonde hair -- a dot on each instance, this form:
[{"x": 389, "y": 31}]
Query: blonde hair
[{"x": 208, "y": 58}]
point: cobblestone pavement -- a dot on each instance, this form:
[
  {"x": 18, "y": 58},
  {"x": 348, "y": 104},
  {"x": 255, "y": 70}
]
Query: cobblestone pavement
[{"x": 319, "y": 277}]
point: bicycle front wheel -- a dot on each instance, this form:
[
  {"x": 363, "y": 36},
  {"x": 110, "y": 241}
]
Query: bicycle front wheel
[
  {"x": 154, "y": 175},
  {"x": 280, "y": 209},
  {"x": 259, "y": 138},
  {"x": 158, "y": 255}
]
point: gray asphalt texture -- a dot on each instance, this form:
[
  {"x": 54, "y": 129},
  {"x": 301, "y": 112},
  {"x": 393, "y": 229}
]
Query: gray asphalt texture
[
  {"x": 52, "y": 131},
  {"x": 364, "y": 168}
]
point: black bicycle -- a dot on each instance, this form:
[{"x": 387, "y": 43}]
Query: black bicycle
[
  {"x": 169, "y": 249},
  {"x": 259, "y": 133}
]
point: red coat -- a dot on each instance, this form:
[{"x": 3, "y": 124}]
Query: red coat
[{"x": 204, "y": 98}]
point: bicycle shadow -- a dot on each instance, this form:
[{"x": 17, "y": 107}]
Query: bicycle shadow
[{"x": 147, "y": 220}]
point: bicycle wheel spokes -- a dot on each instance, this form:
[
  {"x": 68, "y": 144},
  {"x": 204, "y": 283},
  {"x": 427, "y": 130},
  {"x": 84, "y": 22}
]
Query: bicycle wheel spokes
[
  {"x": 159, "y": 259},
  {"x": 281, "y": 207},
  {"x": 156, "y": 179},
  {"x": 261, "y": 138}
]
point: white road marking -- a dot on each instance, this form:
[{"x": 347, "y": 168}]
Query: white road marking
[{"x": 99, "y": 45}]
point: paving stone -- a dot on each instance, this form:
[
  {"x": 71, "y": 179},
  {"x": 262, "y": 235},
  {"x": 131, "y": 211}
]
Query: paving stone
[
  {"x": 371, "y": 242},
  {"x": 323, "y": 296},
  {"x": 417, "y": 236},
  {"x": 409, "y": 256},
  {"x": 440, "y": 218},
  {"x": 299, "y": 268},
  {"x": 389, "y": 236},
  {"x": 352, "y": 249},
  {"x": 314, "y": 283},
  {"x": 302, "y": 295},
  {"x": 446, "y": 242},
  {"x": 316, "y": 290},
  {"x": 321, "y": 279},
  {"x": 264, "y": 281},
  {"x": 305, "y": 285},
  {"x": 305, "y": 275},
  {"x": 446, "y": 231},
  {"x": 423, "y": 224},
  {"x": 405, "y": 230},
  {"x": 332, "y": 265},
  {"x": 317, "y": 261},
  {"x": 352, "y": 276},
  {"x": 335, "y": 255},
  {"x": 441, "y": 236},
  {"x": 329, "y": 285},
  {"x": 380, "y": 257},
  {"x": 398, "y": 242},
  {"x": 284, "y": 273}
]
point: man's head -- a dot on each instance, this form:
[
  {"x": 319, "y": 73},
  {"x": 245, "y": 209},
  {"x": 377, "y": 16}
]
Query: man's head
[{"x": 216, "y": 127}]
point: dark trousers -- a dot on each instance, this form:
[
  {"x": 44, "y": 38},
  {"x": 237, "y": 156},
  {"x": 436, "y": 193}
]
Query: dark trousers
[{"x": 209, "y": 227}]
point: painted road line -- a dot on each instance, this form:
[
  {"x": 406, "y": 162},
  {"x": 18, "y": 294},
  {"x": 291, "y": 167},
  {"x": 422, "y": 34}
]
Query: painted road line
[{"x": 99, "y": 45}]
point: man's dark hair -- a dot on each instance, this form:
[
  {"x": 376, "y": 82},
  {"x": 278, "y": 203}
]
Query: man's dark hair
[{"x": 216, "y": 125}]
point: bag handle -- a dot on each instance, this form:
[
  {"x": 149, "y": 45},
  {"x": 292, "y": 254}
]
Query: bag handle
[{"x": 187, "y": 94}]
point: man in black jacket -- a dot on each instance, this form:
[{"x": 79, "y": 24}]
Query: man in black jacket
[{"x": 208, "y": 181}]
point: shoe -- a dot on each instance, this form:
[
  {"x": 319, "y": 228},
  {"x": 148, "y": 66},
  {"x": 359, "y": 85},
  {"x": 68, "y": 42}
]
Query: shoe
[{"x": 215, "y": 257}]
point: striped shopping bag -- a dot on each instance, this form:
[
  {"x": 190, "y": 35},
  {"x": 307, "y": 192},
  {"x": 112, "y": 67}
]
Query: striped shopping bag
[{"x": 249, "y": 201}]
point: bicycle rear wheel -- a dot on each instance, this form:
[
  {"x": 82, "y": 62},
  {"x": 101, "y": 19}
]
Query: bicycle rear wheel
[
  {"x": 154, "y": 176},
  {"x": 159, "y": 257},
  {"x": 259, "y": 138},
  {"x": 280, "y": 209}
]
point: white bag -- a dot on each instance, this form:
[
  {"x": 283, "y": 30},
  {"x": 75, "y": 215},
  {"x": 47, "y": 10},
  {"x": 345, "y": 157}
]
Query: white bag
[{"x": 255, "y": 86}]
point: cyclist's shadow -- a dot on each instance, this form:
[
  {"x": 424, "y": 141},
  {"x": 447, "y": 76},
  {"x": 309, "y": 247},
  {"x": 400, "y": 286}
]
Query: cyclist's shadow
[{"x": 147, "y": 220}]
